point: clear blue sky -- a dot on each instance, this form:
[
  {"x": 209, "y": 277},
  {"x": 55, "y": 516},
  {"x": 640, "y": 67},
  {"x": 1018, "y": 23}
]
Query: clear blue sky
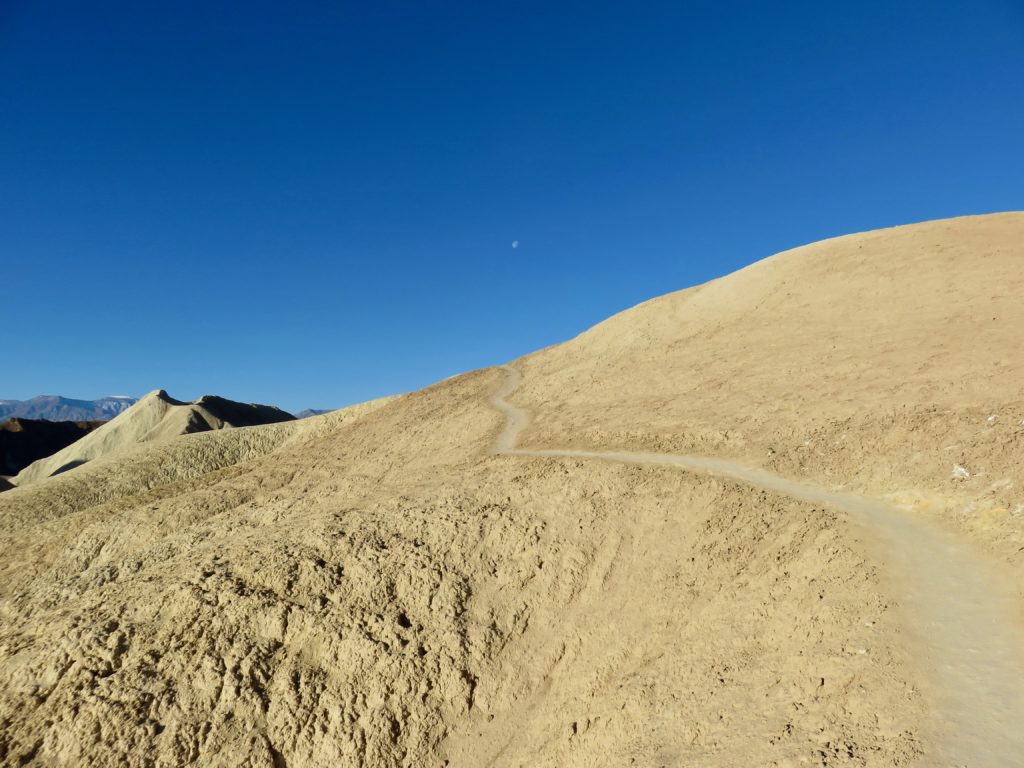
[{"x": 312, "y": 204}]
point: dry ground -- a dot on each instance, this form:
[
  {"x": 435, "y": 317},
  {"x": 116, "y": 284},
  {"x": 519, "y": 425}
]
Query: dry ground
[{"x": 376, "y": 587}]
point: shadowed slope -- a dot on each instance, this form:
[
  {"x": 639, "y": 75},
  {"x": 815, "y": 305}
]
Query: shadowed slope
[{"x": 23, "y": 441}]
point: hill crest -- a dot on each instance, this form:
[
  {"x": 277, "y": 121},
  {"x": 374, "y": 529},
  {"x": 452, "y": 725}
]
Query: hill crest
[{"x": 156, "y": 416}]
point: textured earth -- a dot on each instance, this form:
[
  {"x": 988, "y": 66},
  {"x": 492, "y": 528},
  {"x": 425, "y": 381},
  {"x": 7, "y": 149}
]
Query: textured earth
[{"x": 382, "y": 586}]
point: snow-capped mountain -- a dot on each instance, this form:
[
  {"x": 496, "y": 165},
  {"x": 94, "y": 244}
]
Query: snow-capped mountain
[{"x": 57, "y": 408}]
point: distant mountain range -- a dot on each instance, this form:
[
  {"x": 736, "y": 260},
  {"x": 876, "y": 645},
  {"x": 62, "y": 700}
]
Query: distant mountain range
[
  {"x": 56, "y": 408},
  {"x": 311, "y": 412}
]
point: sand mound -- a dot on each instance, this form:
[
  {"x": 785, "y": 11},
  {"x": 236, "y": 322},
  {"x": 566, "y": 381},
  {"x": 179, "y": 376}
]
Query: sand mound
[
  {"x": 157, "y": 416},
  {"x": 161, "y": 467},
  {"x": 884, "y": 359},
  {"x": 376, "y": 587}
]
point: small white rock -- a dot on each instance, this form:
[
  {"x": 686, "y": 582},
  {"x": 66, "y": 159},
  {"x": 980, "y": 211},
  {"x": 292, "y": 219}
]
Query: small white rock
[{"x": 960, "y": 472}]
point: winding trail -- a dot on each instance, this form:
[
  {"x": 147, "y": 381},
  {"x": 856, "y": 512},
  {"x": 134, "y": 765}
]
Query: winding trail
[{"x": 964, "y": 616}]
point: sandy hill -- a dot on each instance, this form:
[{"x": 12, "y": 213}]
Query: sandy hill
[
  {"x": 882, "y": 358},
  {"x": 381, "y": 586},
  {"x": 23, "y": 441},
  {"x": 157, "y": 416}
]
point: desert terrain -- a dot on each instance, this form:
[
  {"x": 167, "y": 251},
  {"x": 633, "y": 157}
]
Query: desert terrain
[
  {"x": 774, "y": 520},
  {"x": 156, "y": 417}
]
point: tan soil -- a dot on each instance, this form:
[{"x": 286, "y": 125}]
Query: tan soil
[{"x": 379, "y": 588}]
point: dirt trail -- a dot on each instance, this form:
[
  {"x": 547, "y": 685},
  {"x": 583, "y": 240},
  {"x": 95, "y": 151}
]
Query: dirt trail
[{"x": 960, "y": 612}]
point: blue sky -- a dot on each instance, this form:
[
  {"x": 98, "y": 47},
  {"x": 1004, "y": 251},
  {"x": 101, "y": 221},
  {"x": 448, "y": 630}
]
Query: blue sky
[{"x": 312, "y": 204}]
